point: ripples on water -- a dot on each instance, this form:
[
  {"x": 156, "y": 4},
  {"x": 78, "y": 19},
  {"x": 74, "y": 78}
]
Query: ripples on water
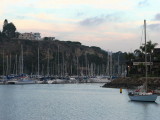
[{"x": 72, "y": 102}]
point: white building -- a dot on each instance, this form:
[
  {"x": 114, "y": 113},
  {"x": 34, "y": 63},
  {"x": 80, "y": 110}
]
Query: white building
[
  {"x": 37, "y": 36},
  {"x": 30, "y": 36}
]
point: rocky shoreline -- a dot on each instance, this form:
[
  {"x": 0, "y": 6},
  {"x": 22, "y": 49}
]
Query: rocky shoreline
[{"x": 129, "y": 83}]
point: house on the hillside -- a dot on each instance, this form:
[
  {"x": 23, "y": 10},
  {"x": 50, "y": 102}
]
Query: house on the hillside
[
  {"x": 37, "y": 36},
  {"x": 30, "y": 36}
]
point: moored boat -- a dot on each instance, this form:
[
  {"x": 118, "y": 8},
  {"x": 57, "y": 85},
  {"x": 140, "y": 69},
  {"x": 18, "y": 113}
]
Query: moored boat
[
  {"x": 142, "y": 94},
  {"x": 143, "y": 97}
]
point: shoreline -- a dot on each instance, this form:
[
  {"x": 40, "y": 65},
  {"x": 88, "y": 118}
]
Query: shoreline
[{"x": 131, "y": 83}]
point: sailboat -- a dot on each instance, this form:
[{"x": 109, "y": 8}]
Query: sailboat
[
  {"x": 22, "y": 78},
  {"x": 143, "y": 94}
]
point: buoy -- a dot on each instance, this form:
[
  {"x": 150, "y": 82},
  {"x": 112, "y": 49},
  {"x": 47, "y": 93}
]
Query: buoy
[{"x": 120, "y": 90}]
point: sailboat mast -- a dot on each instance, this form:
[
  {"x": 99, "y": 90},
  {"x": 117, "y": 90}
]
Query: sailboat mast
[
  {"x": 22, "y": 58},
  {"x": 118, "y": 65},
  {"x": 145, "y": 54},
  {"x": 58, "y": 61},
  {"x": 108, "y": 65},
  {"x": 7, "y": 66},
  {"x": 3, "y": 64},
  {"x": 48, "y": 63},
  {"x": 16, "y": 63},
  {"x": 38, "y": 62}
]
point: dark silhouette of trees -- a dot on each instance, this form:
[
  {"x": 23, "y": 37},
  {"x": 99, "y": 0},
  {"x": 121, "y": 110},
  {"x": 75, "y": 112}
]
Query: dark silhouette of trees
[
  {"x": 139, "y": 55},
  {"x": 129, "y": 56},
  {"x": 17, "y": 34},
  {"x": 9, "y": 30},
  {"x": 150, "y": 47}
]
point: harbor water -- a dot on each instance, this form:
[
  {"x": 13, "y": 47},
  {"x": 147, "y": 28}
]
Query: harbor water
[{"x": 72, "y": 102}]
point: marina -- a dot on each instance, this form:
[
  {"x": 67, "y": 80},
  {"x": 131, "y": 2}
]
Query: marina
[
  {"x": 80, "y": 60},
  {"x": 25, "y": 79}
]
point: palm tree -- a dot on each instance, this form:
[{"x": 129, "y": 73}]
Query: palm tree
[
  {"x": 150, "y": 47},
  {"x": 139, "y": 54}
]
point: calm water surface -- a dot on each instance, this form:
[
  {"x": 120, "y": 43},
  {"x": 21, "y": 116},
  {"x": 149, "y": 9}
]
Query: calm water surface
[{"x": 72, "y": 102}]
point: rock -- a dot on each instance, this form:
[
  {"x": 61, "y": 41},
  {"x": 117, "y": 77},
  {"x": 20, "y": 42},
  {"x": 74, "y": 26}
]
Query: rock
[{"x": 153, "y": 83}]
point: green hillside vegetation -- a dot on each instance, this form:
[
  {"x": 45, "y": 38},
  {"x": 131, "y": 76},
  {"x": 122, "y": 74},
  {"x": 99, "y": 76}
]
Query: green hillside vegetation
[{"x": 65, "y": 55}]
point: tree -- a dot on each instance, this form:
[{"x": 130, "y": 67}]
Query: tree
[
  {"x": 129, "y": 56},
  {"x": 149, "y": 49},
  {"x": 17, "y": 34},
  {"x": 9, "y": 30},
  {"x": 150, "y": 46},
  {"x": 46, "y": 38},
  {"x": 139, "y": 55}
]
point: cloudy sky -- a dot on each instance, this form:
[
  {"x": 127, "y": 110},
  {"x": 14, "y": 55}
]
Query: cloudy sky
[{"x": 114, "y": 25}]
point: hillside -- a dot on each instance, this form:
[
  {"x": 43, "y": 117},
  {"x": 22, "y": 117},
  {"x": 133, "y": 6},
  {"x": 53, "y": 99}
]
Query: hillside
[{"x": 56, "y": 57}]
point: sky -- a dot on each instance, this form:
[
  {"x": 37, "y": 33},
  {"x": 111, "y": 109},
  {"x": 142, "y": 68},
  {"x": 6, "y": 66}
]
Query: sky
[{"x": 112, "y": 25}]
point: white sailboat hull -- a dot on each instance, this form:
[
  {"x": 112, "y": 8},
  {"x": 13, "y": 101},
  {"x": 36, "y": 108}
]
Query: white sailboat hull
[
  {"x": 142, "y": 95},
  {"x": 143, "y": 98}
]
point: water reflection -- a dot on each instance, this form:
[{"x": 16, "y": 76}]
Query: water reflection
[
  {"x": 146, "y": 109},
  {"x": 72, "y": 102},
  {"x": 144, "y": 103}
]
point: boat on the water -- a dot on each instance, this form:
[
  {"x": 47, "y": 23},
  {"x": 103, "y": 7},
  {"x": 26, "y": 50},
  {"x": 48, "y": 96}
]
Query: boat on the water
[
  {"x": 143, "y": 97},
  {"x": 142, "y": 94},
  {"x": 22, "y": 79}
]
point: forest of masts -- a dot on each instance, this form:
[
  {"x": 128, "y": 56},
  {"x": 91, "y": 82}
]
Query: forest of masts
[{"x": 59, "y": 66}]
